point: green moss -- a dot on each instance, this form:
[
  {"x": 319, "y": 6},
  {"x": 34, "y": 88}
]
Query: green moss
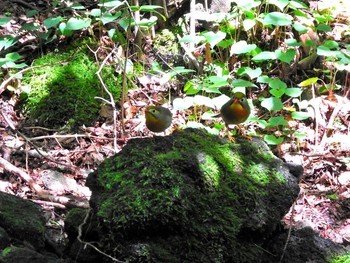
[
  {"x": 64, "y": 93},
  {"x": 6, "y": 251},
  {"x": 341, "y": 259},
  {"x": 192, "y": 185}
]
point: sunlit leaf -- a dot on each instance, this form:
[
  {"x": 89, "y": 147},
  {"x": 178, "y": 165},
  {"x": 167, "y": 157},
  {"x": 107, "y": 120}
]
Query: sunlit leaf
[
  {"x": 294, "y": 92},
  {"x": 272, "y": 103},
  {"x": 77, "y": 23},
  {"x": 277, "y": 19},
  {"x": 214, "y": 38},
  {"x": 287, "y": 56},
  {"x": 248, "y": 24},
  {"x": 265, "y": 55},
  {"x": 241, "y": 47},
  {"x": 300, "y": 28},
  {"x": 191, "y": 39},
  {"x": 252, "y": 73},
  {"x": 308, "y": 82},
  {"x": 52, "y": 22},
  {"x": 203, "y": 100},
  {"x": 111, "y": 3},
  {"x": 281, "y": 4},
  {"x": 300, "y": 115},
  {"x": 293, "y": 42},
  {"x": 108, "y": 17},
  {"x": 272, "y": 140},
  {"x": 4, "y": 20},
  {"x": 242, "y": 83},
  {"x": 77, "y": 6},
  {"x": 95, "y": 12},
  {"x": 278, "y": 87}
]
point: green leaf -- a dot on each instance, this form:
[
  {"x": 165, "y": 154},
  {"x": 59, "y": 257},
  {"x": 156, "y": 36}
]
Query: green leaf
[
  {"x": 95, "y": 12},
  {"x": 111, "y": 3},
  {"x": 277, "y": 121},
  {"x": 278, "y": 87},
  {"x": 264, "y": 79},
  {"x": 77, "y": 23},
  {"x": 324, "y": 28},
  {"x": 265, "y": 55},
  {"x": 287, "y": 56},
  {"x": 64, "y": 30},
  {"x": 281, "y": 4},
  {"x": 277, "y": 19},
  {"x": 4, "y": 20},
  {"x": 296, "y": 4},
  {"x": 108, "y": 17},
  {"x": 77, "y": 6},
  {"x": 7, "y": 41},
  {"x": 308, "y": 82},
  {"x": 272, "y": 103},
  {"x": 300, "y": 135},
  {"x": 125, "y": 23},
  {"x": 294, "y": 92},
  {"x": 150, "y": 8},
  {"x": 29, "y": 27},
  {"x": 325, "y": 51},
  {"x": 252, "y": 73},
  {"x": 300, "y": 28},
  {"x": 31, "y": 13},
  {"x": 214, "y": 38},
  {"x": 192, "y": 39},
  {"x": 248, "y": 24},
  {"x": 272, "y": 140},
  {"x": 241, "y": 47},
  {"x": 300, "y": 115},
  {"x": 242, "y": 83},
  {"x": 293, "y": 42},
  {"x": 52, "y": 22},
  {"x": 191, "y": 87}
]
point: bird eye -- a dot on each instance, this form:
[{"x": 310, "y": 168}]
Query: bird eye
[{"x": 242, "y": 99}]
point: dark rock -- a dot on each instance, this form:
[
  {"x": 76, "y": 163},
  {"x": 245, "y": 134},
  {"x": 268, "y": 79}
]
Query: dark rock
[
  {"x": 4, "y": 239},
  {"x": 304, "y": 246},
  {"x": 22, "y": 220},
  {"x": 26, "y": 255},
  {"x": 189, "y": 197}
]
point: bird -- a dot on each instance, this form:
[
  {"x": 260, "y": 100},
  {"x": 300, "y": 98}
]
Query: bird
[
  {"x": 158, "y": 118},
  {"x": 235, "y": 111}
]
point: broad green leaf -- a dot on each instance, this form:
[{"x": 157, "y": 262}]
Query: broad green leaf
[
  {"x": 182, "y": 103},
  {"x": 247, "y": 4},
  {"x": 272, "y": 140},
  {"x": 77, "y": 23},
  {"x": 248, "y": 24},
  {"x": 77, "y": 6},
  {"x": 300, "y": 28},
  {"x": 108, "y": 17},
  {"x": 277, "y": 19},
  {"x": 191, "y": 39},
  {"x": 111, "y": 3},
  {"x": 277, "y": 121},
  {"x": 308, "y": 82},
  {"x": 300, "y": 115},
  {"x": 252, "y": 73},
  {"x": 191, "y": 87},
  {"x": 29, "y": 27},
  {"x": 64, "y": 30},
  {"x": 272, "y": 103},
  {"x": 125, "y": 23},
  {"x": 214, "y": 38},
  {"x": 7, "y": 41},
  {"x": 13, "y": 56},
  {"x": 294, "y": 92},
  {"x": 179, "y": 70},
  {"x": 293, "y": 42},
  {"x": 52, "y": 22},
  {"x": 218, "y": 81},
  {"x": 324, "y": 28},
  {"x": 95, "y": 12},
  {"x": 265, "y": 55},
  {"x": 31, "y": 13},
  {"x": 278, "y": 87},
  {"x": 287, "y": 56},
  {"x": 281, "y": 4},
  {"x": 296, "y": 4},
  {"x": 264, "y": 79},
  {"x": 241, "y": 47},
  {"x": 242, "y": 83},
  {"x": 325, "y": 51},
  {"x": 4, "y": 20},
  {"x": 331, "y": 44},
  {"x": 300, "y": 135}
]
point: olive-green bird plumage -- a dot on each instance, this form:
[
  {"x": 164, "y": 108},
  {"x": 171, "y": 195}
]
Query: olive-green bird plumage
[
  {"x": 236, "y": 110},
  {"x": 158, "y": 118}
]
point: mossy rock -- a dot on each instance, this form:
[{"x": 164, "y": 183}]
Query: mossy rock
[
  {"x": 64, "y": 93},
  {"x": 189, "y": 197}
]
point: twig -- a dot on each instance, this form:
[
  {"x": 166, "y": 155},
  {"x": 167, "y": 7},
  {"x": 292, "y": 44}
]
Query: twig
[{"x": 80, "y": 233}]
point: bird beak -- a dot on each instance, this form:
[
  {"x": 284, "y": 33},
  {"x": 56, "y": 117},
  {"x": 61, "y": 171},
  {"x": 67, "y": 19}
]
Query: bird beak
[{"x": 236, "y": 100}]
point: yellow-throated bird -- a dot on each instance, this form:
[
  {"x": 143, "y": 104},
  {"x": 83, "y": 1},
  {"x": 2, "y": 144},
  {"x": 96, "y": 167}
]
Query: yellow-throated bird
[
  {"x": 158, "y": 118},
  {"x": 235, "y": 111}
]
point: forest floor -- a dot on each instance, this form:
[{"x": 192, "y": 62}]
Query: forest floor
[{"x": 323, "y": 203}]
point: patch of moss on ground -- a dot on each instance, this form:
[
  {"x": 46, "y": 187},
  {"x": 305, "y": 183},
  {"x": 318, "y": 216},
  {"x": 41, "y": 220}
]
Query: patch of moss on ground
[
  {"x": 196, "y": 190},
  {"x": 64, "y": 93}
]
